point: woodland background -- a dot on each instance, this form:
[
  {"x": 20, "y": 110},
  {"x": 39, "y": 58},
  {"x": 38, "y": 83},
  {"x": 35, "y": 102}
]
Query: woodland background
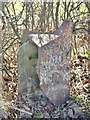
[{"x": 44, "y": 17}]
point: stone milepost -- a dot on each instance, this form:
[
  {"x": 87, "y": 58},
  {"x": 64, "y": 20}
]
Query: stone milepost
[
  {"x": 46, "y": 66},
  {"x": 53, "y": 66}
]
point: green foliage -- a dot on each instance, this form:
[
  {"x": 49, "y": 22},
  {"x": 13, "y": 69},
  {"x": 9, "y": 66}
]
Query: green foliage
[
  {"x": 88, "y": 53},
  {"x": 81, "y": 100},
  {"x": 38, "y": 115}
]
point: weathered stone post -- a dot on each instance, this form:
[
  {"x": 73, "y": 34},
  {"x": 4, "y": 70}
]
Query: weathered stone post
[
  {"x": 54, "y": 65},
  {"x": 27, "y": 57},
  {"x": 28, "y": 82},
  {"x": 46, "y": 67}
]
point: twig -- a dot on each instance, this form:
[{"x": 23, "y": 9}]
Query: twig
[
  {"x": 73, "y": 8},
  {"x": 15, "y": 15},
  {"x": 57, "y": 11},
  {"x": 10, "y": 45},
  {"x": 21, "y": 110}
]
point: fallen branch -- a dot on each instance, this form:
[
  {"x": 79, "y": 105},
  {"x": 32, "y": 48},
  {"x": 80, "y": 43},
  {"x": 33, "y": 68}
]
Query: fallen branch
[{"x": 21, "y": 110}]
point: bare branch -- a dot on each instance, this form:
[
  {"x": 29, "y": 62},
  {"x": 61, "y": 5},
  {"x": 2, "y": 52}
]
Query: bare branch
[
  {"x": 57, "y": 10},
  {"x": 22, "y": 110}
]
